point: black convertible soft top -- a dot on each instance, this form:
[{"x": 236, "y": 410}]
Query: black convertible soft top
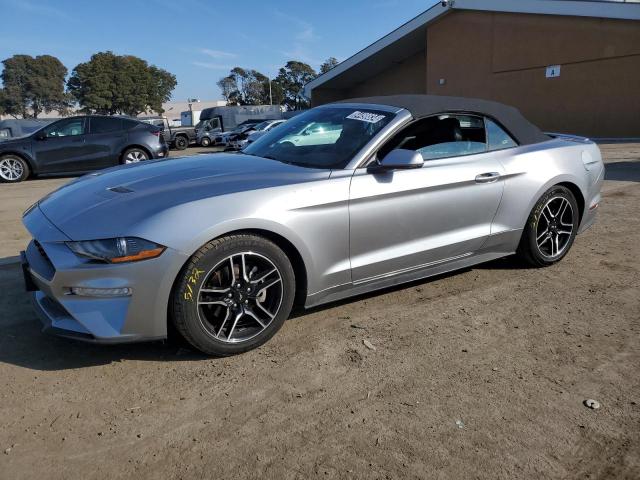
[{"x": 421, "y": 106}]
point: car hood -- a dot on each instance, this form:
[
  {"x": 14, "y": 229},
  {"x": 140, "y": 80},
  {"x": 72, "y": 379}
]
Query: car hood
[{"x": 110, "y": 202}]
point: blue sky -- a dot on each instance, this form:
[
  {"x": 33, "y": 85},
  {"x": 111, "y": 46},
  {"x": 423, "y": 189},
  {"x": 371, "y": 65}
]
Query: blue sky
[{"x": 200, "y": 40}]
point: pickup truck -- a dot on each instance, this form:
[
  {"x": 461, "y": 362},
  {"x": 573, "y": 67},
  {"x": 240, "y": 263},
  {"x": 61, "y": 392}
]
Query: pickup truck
[{"x": 176, "y": 137}]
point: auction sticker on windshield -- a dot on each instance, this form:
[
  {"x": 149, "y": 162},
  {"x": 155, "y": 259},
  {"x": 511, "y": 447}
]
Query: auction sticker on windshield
[{"x": 366, "y": 117}]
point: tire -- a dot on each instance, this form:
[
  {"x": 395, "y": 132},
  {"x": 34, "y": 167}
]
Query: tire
[
  {"x": 217, "y": 310},
  {"x": 181, "y": 142},
  {"x": 205, "y": 142},
  {"x": 551, "y": 228},
  {"x": 134, "y": 155},
  {"x": 13, "y": 169}
]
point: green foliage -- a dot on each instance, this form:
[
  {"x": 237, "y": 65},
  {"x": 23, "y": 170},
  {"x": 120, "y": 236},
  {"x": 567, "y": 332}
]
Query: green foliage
[
  {"x": 229, "y": 89},
  {"x": 33, "y": 85},
  {"x": 328, "y": 64},
  {"x": 245, "y": 87},
  {"x": 120, "y": 84},
  {"x": 293, "y": 77},
  {"x": 250, "y": 87}
]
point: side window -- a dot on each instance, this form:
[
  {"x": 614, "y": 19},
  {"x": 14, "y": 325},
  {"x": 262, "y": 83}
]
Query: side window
[
  {"x": 498, "y": 138},
  {"x": 441, "y": 136},
  {"x": 66, "y": 128},
  {"x": 105, "y": 124},
  {"x": 129, "y": 124}
]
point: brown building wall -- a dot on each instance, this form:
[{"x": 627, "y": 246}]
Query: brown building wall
[
  {"x": 503, "y": 57},
  {"x": 320, "y": 96},
  {"x": 407, "y": 76}
]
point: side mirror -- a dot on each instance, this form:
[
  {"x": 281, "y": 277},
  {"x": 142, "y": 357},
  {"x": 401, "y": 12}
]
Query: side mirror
[{"x": 398, "y": 159}]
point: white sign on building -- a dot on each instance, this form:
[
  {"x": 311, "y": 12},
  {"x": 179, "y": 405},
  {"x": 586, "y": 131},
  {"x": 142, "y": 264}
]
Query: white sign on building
[{"x": 553, "y": 71}]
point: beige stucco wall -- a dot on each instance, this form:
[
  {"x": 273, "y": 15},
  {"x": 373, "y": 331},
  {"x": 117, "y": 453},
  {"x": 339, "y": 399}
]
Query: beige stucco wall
[{"x": 503, "y": 57}]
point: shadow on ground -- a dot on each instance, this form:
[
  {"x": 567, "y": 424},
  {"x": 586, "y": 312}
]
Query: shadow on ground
[
  {"x": 625, "y": 171},
  {"x": 23, "y": 344}
]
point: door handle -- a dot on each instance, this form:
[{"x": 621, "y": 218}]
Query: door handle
[{"x": 487, "y": 177}]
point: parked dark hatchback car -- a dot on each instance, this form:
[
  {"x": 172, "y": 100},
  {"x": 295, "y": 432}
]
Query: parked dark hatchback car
[{"x": 80, "y": 144}]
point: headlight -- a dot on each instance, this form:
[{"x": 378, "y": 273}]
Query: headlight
[{"x": 117, "y": 250}]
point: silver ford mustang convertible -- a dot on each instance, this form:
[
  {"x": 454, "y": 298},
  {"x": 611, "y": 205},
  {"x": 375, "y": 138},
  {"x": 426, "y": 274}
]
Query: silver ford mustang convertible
[{"x": 343, "y": 199}]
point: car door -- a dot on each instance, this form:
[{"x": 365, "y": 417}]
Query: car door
[
  {"x": 61, "y": 146},
  {"x": 105, "y": 140},
  {"x": 406, "y": 220}
]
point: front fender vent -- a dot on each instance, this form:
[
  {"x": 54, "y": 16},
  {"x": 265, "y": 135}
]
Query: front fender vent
[{"x": 120, "y": 189}]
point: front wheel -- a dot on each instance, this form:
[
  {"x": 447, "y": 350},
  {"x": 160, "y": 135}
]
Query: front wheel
[
  {"x": 181, "y": 142},
  {"x": 551, "y": 228},
  {"x": 233, "y": 295},
  {"x": 205, "y": 142},
  {"x": 13, "y": 169}
]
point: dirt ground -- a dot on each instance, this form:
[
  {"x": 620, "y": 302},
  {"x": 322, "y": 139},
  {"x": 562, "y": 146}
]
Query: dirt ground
[
  {"x": 477, "y": 374},
  {"x": 15, "y": 199}
]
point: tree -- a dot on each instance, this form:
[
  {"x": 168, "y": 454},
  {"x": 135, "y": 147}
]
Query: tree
[
  {"x": 328, "y": 64},
  {"x": 293, "y": 77},
  {"x": 255, "y": 88},
  {"x": 33, "y": 85},
  {"x": 277, "y": 92},
  {"x": 120, "y": 84},
  {"x": 245, "y": 87},
  {"x": 229, "y": 89}
]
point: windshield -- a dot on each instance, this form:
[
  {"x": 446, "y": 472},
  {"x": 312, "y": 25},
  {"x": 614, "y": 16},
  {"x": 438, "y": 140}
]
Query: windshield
[{"x": 325, "y": 137}]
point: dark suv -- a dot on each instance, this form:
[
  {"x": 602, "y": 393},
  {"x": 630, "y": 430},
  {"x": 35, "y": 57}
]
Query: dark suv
[{"x": 80, "y": 144}]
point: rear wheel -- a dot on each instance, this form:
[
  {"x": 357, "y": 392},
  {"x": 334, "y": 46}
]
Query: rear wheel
[
  {"x": 134, "y": 155},
  {"x": 181, "y": 142},
  {"x": 233, "y": 295},
  {"x": 551, "y": 228},
  {"x": 13, "y": 169},
  {"x": 205, "y": 142}
]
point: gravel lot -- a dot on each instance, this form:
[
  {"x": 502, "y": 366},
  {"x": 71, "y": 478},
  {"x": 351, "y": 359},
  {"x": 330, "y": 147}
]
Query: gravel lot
[
  {"x": 15, "y": 199},
  {"x": 477, "y": 374}
]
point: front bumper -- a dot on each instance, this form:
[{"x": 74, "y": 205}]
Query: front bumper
[{"x": 52, "y": 268}]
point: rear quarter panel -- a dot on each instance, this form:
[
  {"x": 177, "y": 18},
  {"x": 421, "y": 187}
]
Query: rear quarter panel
[{"x": 533, "y": 169}]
